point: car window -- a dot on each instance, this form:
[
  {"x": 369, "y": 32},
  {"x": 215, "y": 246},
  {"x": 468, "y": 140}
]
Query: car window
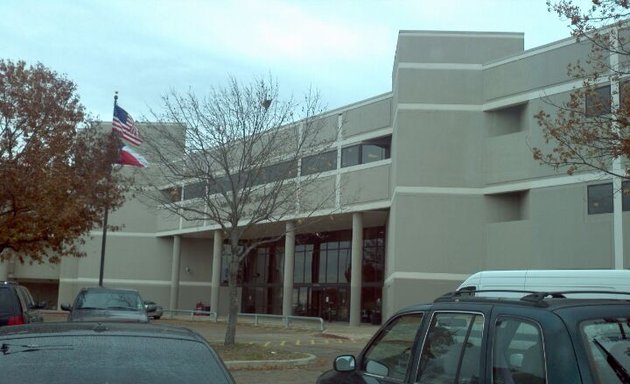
[
  {"x": 389, "y": 353},
  {"x": 608, "y": 347},
  {"x": 108, "y": 300},
  {"x": 518, "y": 352},
  {"x": 104, "y": 358},
  {"x": 452, "y": 349},
  {"x": 25, "y": 297},
  {"x": 8, "y": 302}
]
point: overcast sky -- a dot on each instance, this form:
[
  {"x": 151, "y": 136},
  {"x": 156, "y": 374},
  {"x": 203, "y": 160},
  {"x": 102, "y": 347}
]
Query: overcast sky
[{"x": 144, "y": 48}]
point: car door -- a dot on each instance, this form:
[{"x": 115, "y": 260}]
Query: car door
[
  {"x": 388, "y": 358},
  {"x": 385, "y": 359},
  {"x": 452, "y": 349},
  {"x": 29, "y": 308}
]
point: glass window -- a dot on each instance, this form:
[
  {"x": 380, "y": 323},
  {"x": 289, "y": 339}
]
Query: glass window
[
  {"x": 598, "y": 101},
  {"x": 518, "y": 353},
  {"x": 172, "y": 194},
  {"x": 195, "y": 190},
  {"x": 280, "y": 171},
  {"x": 350, "y": 156},
  {"x": 625, "y": 198},
  {"x": 452, "y": 350},
  {"x": 373, "y": 152},
  {"x": 607, "y": 346},
  {"x": 600, "y": 198},
  {"x": 320, "y": 162},
  {"x": 389, "y": 353}
]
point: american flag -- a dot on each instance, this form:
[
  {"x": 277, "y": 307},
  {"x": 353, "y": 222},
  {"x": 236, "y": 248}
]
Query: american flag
[{"x": 123, "y": 124}]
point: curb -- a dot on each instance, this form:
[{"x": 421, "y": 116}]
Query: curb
[{"x": 269, "y": 364}]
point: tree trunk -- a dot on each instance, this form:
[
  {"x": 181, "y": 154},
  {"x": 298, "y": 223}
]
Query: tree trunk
[{"x": 234, "y": 266}]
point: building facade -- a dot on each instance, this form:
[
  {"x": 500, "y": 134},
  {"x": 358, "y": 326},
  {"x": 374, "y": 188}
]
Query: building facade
[{"x": 432, "y": 182}]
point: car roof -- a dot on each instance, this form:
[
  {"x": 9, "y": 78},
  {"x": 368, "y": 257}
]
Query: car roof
[
  {"x": 106, "y": 289},
  {"x": 550, "y": 301},
  {"x": 100, "y": 328}
]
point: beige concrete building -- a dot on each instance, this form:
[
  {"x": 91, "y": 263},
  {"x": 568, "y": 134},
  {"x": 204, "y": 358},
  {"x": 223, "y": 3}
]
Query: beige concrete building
[{"x": 433, "y": 181}]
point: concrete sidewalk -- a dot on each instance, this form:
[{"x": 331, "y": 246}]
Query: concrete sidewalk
[{"x": 359, "y": 332}]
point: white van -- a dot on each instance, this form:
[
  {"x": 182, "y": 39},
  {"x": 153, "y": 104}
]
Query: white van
[{"x": 549, "y": 280}]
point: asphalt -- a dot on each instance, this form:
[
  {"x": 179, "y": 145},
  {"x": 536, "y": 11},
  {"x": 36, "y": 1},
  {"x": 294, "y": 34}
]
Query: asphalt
[{"x": 318, "y": 347}]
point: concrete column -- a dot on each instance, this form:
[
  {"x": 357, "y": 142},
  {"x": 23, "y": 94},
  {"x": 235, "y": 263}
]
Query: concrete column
[
  {"x": 357, "y": 261},
  {"x": 215, "y": 285},
  {"x": 289, "y": 262},
  {"x": 177, "y": 247}
]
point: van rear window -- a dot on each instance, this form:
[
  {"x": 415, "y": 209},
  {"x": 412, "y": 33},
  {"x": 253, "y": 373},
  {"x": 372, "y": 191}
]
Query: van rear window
[{"x": 8, "y": 302}]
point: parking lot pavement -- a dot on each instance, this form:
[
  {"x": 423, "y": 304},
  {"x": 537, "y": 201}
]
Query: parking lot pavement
[{"x": 336, "y": 339}]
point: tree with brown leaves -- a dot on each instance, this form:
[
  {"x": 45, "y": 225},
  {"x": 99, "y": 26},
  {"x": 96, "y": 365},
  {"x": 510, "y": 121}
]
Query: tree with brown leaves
[
  {"x": 55, "y": 166},
  {"x": 589, "y": 130}
]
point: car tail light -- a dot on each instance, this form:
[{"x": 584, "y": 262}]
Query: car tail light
[{"x": 16, "y": 320}]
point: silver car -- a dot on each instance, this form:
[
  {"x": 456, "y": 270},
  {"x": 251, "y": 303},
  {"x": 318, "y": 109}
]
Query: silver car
[{"x": 108, "y": 304}]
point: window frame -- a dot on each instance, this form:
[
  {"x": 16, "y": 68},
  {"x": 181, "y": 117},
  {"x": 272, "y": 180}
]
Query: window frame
[
  {"x": 462, "y": 356},
  {"x": 598, "y": 101},
  {"x": 382, "y": 334}
]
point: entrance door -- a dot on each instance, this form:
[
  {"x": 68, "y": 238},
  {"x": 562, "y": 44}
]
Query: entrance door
[{"x": 329, "y": 303}]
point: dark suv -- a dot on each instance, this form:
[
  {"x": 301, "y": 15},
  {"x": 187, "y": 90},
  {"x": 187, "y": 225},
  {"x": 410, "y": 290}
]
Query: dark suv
[
  {"x": 536, "y": 338},
  {"x": 17, "y": 305}
]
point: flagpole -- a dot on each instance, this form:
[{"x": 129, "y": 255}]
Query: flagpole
[{"x": 105, "y": 214}]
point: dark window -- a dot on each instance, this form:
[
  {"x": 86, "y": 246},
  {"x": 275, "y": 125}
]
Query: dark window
[
  {"x": 320, "y": 162},
  {"x": 334, "y": 262},
  {"x": 303, "y": 264},
  {"x": 452, "y": 349},
  {"x": 195, "y": 190},
  {"x": 389, "y": 353},
  {"x": 518, "y": 353},
  {"x": 172, "y": 194},
  {"x": 598, "y": 101},
  {"x": 366, "y": 152},
  {"x": 373, "y": 260},
  {"x": 600, "y": 198},
  {"x": 277, "y": 172},
  {"x": 350, "y": 156}
]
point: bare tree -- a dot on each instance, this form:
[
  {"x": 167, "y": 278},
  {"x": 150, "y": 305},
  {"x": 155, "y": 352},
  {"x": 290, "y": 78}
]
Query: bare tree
[
  {"x": 589, "y": 130},
  {"x": 237, "y": 160}
]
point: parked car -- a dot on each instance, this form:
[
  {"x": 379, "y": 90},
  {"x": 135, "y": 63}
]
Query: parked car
[
  {"x": 17, "y": 305},
  {"x": 540, "y": 337},
  {"x": 108, "y": 304},
  {"x": 154, "y": 311},
  {"x": 120, "y": 353}
]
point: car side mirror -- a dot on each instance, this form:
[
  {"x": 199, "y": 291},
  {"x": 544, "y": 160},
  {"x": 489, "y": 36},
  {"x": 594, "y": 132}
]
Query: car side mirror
[
  {"x": 344, "y": 363},
  {"x": 66, "y": 307}
]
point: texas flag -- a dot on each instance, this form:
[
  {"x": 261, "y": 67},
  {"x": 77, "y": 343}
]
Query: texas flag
[{"x": 128, "y": 156}]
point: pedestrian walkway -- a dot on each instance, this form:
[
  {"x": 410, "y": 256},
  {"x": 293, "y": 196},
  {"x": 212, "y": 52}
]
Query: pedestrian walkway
[{"x": 358, "y": 332}]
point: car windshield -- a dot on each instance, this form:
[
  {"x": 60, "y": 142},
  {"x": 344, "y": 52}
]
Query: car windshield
[
  {"x": 124, "y": 300},
  {"x": 109, "y": 359},
  {"x": 608, "y": 345}
]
